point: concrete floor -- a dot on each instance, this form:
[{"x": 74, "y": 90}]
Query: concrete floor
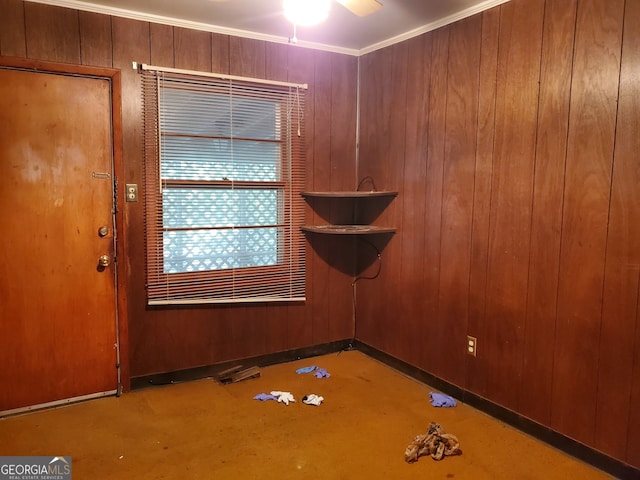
[{"x": 205, "y": 430}]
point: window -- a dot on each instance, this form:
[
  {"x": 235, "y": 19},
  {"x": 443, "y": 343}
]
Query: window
[{"x": 224, "y": 170}]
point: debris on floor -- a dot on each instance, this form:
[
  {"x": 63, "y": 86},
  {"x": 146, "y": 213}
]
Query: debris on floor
[
  {"x": 321, "y": 373},
  {"x": 442, "y": 400},
  {"x": 265, "y": 396},
  {"x": 312, "y": 399},
  {"x": 434, "y": 443},
  {"x": 237, "y": 374},
  {"x": 306, "y": 369},
  {"x": 318, "y": 372},
  {"x": 283, "y": 397}
]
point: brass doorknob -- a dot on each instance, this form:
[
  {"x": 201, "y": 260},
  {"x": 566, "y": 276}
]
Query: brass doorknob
[{"x": 104, "y": 260}]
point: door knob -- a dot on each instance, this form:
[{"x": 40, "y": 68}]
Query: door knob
[{"x": 104, "y": 260}]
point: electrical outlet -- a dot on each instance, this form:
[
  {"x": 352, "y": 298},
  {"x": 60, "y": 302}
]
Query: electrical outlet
[
  {"x": 131, "y": 192},
  {"x": 472, "y": 345}
]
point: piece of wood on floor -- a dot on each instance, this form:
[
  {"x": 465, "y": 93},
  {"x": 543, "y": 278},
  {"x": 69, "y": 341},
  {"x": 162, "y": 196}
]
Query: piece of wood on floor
[{"x": 237, "y": 374}]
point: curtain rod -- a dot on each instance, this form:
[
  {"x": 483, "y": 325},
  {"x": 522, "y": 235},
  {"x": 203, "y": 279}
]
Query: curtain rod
[{"x": 144, "y": 66}]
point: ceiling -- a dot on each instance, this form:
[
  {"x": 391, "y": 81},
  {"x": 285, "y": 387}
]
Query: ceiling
[{"x": 263, "y": 19}]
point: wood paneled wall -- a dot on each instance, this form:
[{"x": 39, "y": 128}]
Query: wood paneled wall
[
  {"x": 513, "y": 138},
  {"x": 169, "y": 339}
]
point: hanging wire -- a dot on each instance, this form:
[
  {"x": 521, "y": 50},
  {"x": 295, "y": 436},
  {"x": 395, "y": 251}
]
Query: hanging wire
[
  {"x": 362, "y": 277},
  {"x": 367, "y": 179},
  {"x": 300, "y": 113},
  {"x": 379, "y": 259}
]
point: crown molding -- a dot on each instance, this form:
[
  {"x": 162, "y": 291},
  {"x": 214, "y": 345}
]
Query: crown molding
[
  {"x": 176, "y": 22},
  {"x": 481, "y": 7}
]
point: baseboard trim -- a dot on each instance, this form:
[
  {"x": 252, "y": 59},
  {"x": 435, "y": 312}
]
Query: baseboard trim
[
  {"x": 197, "y": 373},
  {"x": 566, "y": 444}
]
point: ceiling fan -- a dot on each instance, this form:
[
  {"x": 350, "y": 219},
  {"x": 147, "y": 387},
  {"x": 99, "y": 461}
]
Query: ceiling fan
[
  {"x": 311, "y": 12},
  {"x": 362, "y": 8}
]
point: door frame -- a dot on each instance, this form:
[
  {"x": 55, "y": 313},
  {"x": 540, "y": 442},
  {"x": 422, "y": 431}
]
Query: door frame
[{"x": 113, "y": 76}]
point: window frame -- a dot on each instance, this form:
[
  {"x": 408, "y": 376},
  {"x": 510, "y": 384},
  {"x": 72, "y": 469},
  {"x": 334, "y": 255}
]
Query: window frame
[{"x": 284, "y": 281}]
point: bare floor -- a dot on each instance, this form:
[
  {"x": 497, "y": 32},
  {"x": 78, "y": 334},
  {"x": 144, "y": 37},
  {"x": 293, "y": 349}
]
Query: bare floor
[{"x": 204, "y": 430}]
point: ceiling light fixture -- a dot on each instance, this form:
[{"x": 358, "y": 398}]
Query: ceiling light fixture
[{"x": 306, "y": 12}]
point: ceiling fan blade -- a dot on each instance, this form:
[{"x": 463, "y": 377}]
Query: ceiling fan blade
[{"x": 361, "y": 8}]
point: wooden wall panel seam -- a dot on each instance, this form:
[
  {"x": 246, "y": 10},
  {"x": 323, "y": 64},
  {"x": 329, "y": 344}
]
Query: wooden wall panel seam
[
  {"x": 632, "y": 456},
  {"x": 516, "y": 113},
  {"x": 481, "y": 206},
  {"x": 435, "y": 164},
  {"x": 551, "y": 116},
  {"x": 587, "y": 207},
  {"x": 562, "y": 212},
  {"x": 620, "y": 288}
]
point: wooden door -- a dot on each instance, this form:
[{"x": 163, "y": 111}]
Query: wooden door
[{"x": 58, "y": 337}]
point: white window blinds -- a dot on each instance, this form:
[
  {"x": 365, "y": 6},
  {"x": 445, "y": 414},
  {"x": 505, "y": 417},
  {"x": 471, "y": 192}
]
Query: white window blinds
[{"x": 224, "y": 170}]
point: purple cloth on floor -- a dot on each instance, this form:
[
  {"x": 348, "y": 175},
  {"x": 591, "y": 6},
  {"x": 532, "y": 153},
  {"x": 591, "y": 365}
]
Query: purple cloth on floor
[
  {"x": 306, "y": 370},
  {"x": 321, "y": 373},
  {"x": 441, "y": 400},
  {"x": 265, "y": 396}
]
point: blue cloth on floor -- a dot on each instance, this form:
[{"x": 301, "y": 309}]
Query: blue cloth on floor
[
  {"x": 265, "y": 396},
  {"x": 441, "y": 400},
  {"x": 321, "y": 373},
  {"x": 306, "y": 369}
]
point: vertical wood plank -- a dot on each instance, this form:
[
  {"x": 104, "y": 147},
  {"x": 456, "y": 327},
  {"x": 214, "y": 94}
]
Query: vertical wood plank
[
  {"x": 511, "y": 196},
  {"x": 161, "y": 45},
  {"x": 301, "y": 64},
  {"x": 247, "y": 57},
  {"x": 393, "y": 150},
  {"x": 546, "y": 222},
  {"x": 322, "y": 182},
  {"x": 594, "y": 92},
  {"x": 130, "y": 42},
  {"x": 52, "y": 33},
  {"x": 626, "y": 171},
  {"x": 369, "y": 321},
  {"x": 389, "y": 90},
  {"x": 12, "y": 35},
  {"x": 220, "y": 53},
  {"x": 276, "y": 61},
  {"x": 433, "y": 221},
  {"x": 95, "y": 39},
  {"x": 276, "y": 334},
  {"x": 192, "y": 49},
  {"x": 457, "y": 195},
  {"x": 614, "y": 405},
  {"x": 476, "y": 366},
  {"x": 633, "y": 425},
  {"x": 344, "y": 74},
  {"x": 391, "y": 65},
  {"x": 414, "y": 184}
]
